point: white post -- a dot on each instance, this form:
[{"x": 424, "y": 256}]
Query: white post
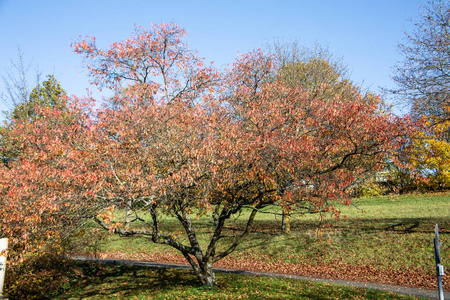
[
  {"x": 3, "y": 252},
  {"x": 439, "y": 267}
]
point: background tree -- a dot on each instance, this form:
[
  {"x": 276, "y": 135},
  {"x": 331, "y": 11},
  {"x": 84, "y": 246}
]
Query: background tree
[
  {"x": 48, "y": 93},
  {"x": 314, "y": 69},
  {"x": 423, "y": 76},
  {"x": 16, "y": 81},
  {"x": 328, "y": 69},
  {"x": 424, "y": 82},
  {"x": 429, "y": 153},
  {"x": 320, "y": 73}
]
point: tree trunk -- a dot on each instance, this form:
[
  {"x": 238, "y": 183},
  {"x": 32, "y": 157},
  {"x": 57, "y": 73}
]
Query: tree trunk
[
  {"x": 128, "y": 214},
  {"x": 207, "y": 276},
  {"x": 200, "y": 261},
  {"x": 203, "y": 270},
  {"x": 285, "y": 225}
]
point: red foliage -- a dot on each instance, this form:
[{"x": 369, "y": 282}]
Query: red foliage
[{"x": 183, "y": 139}]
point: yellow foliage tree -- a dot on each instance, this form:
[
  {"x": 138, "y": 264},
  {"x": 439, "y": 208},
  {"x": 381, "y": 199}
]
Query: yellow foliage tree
[{"x": 430, "y": 154}]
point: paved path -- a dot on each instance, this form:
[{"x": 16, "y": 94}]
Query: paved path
[{"x": 382, "y": 287}]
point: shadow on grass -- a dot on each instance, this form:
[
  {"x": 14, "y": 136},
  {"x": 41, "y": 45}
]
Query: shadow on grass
[
  {"x": 314, "y": 240},
  {"x": 398, "y": 225},
  {"x": 100, "y": 281},
  {"x": 272, "y": 229}
]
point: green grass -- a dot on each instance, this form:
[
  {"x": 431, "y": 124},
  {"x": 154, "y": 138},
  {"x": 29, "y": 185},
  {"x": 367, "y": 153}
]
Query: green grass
[
  {"x": 96, "y": 281},
  {"x": 407, "y": 206},
  {"x": 383, "y": 232}
]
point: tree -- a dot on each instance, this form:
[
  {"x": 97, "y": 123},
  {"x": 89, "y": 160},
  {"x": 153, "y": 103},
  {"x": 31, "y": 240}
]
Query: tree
[
  {"x": 308, "y": 67},
  {"x": 49, "y": 93},
  {"x": 186, "y": 141},
  {"x": 423, "y": 76},
  {"x": 36, "y": 211},
  {"x": 424, "y": 82},
  {"x": 36, "y": 222},
  {"x": 429, "y": 153},
  {"x": 314, "y": 69},
  {"x": 46, "y": 94},
  {"x": 193, "y": 152},
  {"x": 16, "y": 81},
  {"x": 317, "y": 71}
]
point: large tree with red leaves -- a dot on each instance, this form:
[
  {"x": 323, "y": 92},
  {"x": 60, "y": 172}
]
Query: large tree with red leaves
[{"x": 182, "y": 139}]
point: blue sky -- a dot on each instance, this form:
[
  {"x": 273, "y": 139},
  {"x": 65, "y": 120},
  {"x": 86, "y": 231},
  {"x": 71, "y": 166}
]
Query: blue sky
[{"x": 364, "y": 32}]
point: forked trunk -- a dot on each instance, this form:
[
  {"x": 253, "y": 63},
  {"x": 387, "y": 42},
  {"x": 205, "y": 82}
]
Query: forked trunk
[
  {"x": 203, "y": 270},
  {"x": 202, "y": 261}
]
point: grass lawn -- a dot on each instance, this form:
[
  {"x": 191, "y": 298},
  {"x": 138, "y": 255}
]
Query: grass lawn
[
  {"x": 384, "y": 232},
  {"x": 96, "y": 281},
  {"x": 384, "y": 239}
]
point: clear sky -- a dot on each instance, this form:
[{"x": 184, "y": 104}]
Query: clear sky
[{"x": 364, "y": 32}]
